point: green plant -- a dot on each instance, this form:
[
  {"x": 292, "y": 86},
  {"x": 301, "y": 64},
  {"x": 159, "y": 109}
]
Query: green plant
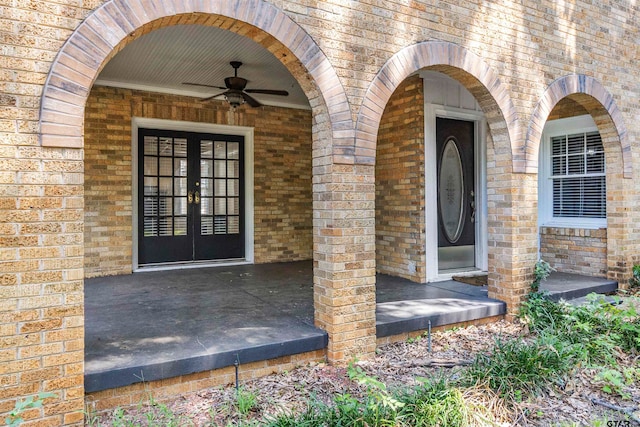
[
  {"x": 617, "y": 382},
  {"x": 634, "y": 282},
  {"x": 435, "y": 403},
  {"x": 541, "y": 271},
  {"x": 540, "y": 313},
  {"x": 246, "y": 401},
  {"x": 15, "y": 416},
  {"x": 518, "y": 368}
]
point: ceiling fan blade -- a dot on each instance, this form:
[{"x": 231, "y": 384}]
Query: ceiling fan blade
[
  {"x": 208, "y": 98},
  {"x": 200, "y": 84},
  {"x": 250, "y": 100},
  {"x": 268, "y": 92}
]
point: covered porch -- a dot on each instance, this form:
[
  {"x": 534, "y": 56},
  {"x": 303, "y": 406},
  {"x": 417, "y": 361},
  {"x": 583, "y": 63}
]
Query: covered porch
[{"x": 156, "y": 325}]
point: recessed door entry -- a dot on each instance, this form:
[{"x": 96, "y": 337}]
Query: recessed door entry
[
  {"x": 190, "y": 197},
  {"x": 456, "y": 194}
]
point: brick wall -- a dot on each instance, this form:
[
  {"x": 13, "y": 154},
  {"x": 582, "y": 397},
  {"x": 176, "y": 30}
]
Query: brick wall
[
  {"x": 575, "y": 250},
  {"x": 530, "y": 46},
  {"x": 400, "y": 221},
  {"x": 282, "y": 185}
]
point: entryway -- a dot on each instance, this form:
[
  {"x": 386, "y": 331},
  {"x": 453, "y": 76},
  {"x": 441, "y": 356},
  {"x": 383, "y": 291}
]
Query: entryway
[
  {"x": 456, "y": 194},
  {"x": 455, "y": 180},
  {"x": 191, "y": 204},
  {"x": 193, "y": 192}
]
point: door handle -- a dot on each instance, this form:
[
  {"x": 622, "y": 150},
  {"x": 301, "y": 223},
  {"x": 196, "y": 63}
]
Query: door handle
[
  {"x": 472, "y": 202},
  {"x": 190, "y": 197},
  {"x": 197, "y": 198}
]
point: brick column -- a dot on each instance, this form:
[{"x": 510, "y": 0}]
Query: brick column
[
  {"x": 622, "y": 220},
  {"x": 41, "y": 284},
  {"x": 344, "y": 259},
  {"x": 513, "y": 234}
]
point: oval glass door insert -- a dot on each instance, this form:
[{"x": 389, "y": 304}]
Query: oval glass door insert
[{"x": 451, "y": 191}]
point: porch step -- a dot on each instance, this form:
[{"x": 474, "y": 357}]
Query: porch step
[
  {"x": 584, "y": 300},
  {"x": 414, "y": 307},
  {"x": 569, "y": 286}
]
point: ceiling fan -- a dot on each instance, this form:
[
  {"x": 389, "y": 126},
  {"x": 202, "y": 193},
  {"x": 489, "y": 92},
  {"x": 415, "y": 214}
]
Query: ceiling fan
[{"x": 235, "y": 92}]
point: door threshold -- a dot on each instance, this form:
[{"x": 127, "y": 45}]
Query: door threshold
[
  {"x": 448, "y": 274},
  {"x": 191, "y": 264}
]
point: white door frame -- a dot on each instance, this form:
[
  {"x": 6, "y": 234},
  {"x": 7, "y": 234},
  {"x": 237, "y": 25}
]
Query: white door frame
[
  {"x": 246, "y": 132},
  {"x": 431, "y": 112}
]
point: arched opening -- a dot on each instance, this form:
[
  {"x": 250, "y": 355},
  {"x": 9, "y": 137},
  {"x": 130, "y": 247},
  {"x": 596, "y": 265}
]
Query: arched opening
[
  {"x": 401, "y": 113},
  {"x": 424, "y": 98},
  {"x": 582, "y": 167},
  {"x": 184, "y": 190},
  {"x": 106, "y": 119}
]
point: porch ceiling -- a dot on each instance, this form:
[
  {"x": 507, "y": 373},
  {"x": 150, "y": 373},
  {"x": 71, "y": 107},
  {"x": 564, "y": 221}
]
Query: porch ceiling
[{"x": 162, "y": 60}]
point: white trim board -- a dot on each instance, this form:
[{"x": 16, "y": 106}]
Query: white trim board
[{"x": 247, "y": 133}]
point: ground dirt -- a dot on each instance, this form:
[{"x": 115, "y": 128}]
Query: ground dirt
[{"x": 575, "y": 401}]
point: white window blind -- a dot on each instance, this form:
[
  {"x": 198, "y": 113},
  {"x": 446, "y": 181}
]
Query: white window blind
[{"x": 578, "y": 175}]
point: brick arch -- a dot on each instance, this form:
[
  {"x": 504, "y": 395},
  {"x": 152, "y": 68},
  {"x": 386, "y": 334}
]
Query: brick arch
[
  {"x": 457, "y": 62},
  {"x": 113, "y": 25},
  {"x": 576, "y": 87}
]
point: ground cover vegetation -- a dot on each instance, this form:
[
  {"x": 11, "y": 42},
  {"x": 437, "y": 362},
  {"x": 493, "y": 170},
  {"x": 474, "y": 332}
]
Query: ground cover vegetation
[{"x": 559, "y": 365}]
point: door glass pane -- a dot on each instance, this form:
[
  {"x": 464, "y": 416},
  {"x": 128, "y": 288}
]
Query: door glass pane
[
  {"x": 151, "y": 145},
  {"x": 233, "y": 150},
  {"x": 233, "y": 171},
  {"x": 179, "y": 167},
  {"x": 180, "y": 226},
  {"x": 234, "y": 225},
  {"x": 150, "y": 165},
  {"x": 150, "y": 186},
  {"x": 166, "y": 166},
  {"x": 165, "y": 206},
  {"x": 166, "y": 226},
  {"x": 206, "y": 168},
  {"x": 150, "y": 227},
  {"x": 220, "y": 225},
  {"x": 150, "y": 206},
  {"x": 233, "y": 187},
  {"x": 221, "y": 206},
  {"x": 233, "y": 206},
  {"x": 206, "y": 226},
  {"x": 180, "y": 206},
  {"x": 206, "y": 149},
  {"x": 205, "y": 187},
  {"x": 206, "y": 206},
  {"x": 180, "y": 186},
  {"x": 166, "y": 186},
  {"x": 220, "y": 150},
  {"x": 180, "y": 147},
  {"x": 220, "y": 187},
  {"x": 166, "y": 145},
  {"x": 220, "y": 169}
]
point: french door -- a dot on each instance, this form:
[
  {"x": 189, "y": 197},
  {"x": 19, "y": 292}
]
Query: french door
[{"x": 190, "y": 197}]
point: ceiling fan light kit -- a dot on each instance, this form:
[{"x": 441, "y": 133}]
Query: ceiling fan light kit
[
  {"x": 234, "y": 99},
  {"x": 235, "y": 93}
]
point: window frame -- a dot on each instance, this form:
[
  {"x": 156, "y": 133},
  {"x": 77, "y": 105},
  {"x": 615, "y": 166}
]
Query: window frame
[{"x": 554, "y": 128}]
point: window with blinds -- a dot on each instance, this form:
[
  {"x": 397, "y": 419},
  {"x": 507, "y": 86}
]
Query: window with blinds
[{"x": 578, "y": 176}]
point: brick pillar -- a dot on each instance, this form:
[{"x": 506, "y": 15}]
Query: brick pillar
[
  {"x": 41, "y": 284},
  {"x": 513, "y": 234},
  {"x": 622, "y": 220},
  {"x": 344, "y": 259}
]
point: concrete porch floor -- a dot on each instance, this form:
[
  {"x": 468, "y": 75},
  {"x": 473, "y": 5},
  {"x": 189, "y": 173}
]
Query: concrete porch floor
[{"x": 155, "y": 325}]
